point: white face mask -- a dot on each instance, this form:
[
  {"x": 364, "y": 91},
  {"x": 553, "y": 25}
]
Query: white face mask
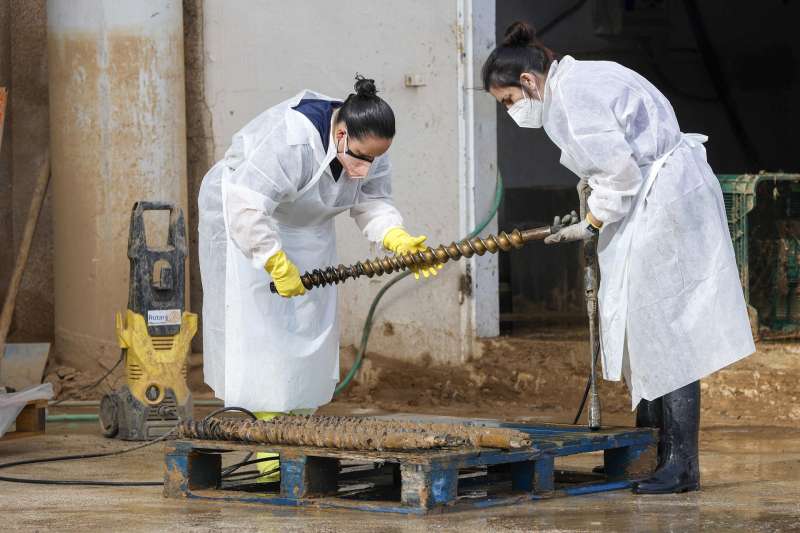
[{"x": 526, "y": 111}]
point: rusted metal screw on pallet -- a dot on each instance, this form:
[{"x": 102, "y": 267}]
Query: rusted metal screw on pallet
[{"x": 426, "y": 258}]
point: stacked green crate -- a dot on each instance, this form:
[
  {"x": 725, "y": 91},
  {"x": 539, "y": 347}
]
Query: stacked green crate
[{"x": 742, "y": 192}]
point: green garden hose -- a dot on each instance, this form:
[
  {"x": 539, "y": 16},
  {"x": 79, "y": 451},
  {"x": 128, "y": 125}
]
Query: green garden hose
[{"x": 367, "y": 329}]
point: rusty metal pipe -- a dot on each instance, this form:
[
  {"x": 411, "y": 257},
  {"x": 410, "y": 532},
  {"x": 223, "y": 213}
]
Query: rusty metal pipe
[
  {"x": 353, "y": 433},
  {"x": 430, "y": 256}
]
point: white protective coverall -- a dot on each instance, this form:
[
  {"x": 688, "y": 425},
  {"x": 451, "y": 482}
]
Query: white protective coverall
[
  {"x": 274, "y": 190},
  {"x": 671, "y": 304}
]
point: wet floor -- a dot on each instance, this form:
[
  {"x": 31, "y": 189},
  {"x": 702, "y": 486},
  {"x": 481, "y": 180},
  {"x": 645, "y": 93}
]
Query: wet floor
[{"x": 751, "y": 482}]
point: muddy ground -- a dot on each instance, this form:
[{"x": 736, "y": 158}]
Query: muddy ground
[
  {"x": 531, "y": 372},
  {"x": 546, "y": 371},
  {"x": 750, "y": 457},
  {"x": 749, "y": 484}
]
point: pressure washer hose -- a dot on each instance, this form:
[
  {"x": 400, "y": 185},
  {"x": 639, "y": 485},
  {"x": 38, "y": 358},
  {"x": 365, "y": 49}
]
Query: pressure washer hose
[{"x": 367, "y": 329}]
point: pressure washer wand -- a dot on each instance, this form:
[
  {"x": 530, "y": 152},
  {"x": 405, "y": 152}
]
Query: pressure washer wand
[
  {"x": 591, "y": 280},
  {"x": 431, "y": 256}
]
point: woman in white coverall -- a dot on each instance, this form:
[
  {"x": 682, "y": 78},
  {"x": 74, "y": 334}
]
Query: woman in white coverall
[
  {"x": 671, "y": 304},
  {"x": 266, "y": 214}
]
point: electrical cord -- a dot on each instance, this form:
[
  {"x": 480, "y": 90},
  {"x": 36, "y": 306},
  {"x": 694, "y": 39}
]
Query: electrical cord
[
  {"x": 98, "y": 483},
  {"x": 231, "y": 469},
  {"x": 101, "y": 483}
]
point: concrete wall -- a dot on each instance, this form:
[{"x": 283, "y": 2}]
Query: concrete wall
[
  {"x": 225, "y": 87},
  {"x": 260, "y": 53}
]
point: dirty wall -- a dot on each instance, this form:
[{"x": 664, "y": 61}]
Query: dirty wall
[
  {"x": 23, "y": 69},
  {"x": 269, "y": 58},
  {"x": 224, "y": 89}
]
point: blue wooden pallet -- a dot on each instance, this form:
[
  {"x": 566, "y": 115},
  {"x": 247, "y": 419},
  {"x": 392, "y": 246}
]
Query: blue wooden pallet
[{"x": 418, "y": 482}]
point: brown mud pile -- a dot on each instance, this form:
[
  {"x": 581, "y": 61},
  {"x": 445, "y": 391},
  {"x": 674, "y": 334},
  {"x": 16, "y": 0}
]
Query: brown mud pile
[
  {"x": 71, "y": 384},
  {"x": 545, "y": 372},
  {"x": 542, "y": 372}
]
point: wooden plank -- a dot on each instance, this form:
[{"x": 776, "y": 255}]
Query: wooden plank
[
  {"x": 427, "y": 480},
  {"x": 303, "y": 476},
  {"x": 630, "y": 461},
  {"x": 428, "y": 488},
  {"x": 459, "y": 457},
  {"x": 33, "y": 417},
  {"x": 543, "y": 475},
  {"x": 30, "y": 422},
  {"x": 177, "y": 469}
]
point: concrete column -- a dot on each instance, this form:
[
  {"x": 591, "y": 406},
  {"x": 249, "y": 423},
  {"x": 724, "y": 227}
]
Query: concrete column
[{"x": 118, "y": 135}]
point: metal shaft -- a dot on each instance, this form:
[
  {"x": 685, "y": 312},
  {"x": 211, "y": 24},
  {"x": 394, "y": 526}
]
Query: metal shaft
[
  {"x": 426, "y": 258},
  {"x": 591, "y": 280}
]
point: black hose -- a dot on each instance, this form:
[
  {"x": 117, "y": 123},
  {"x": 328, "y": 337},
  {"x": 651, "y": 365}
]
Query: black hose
[
  {"x": 92, "y": 483},
  {"x": 84, "y": 456},
  {"x": 585, "y": 391}
]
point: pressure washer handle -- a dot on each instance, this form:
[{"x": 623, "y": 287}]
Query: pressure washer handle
[{"x": 538, "y": 234}]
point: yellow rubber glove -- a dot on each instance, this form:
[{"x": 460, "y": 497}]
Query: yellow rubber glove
[
  {"x": 285, "y": 275},
  {"x": 400, "y": 242}
]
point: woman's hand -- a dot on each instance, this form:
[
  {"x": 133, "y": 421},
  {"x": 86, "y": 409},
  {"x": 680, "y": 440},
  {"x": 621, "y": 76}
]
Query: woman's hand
[
  {"x": 400, "y": 242},
  {"x": 285, "y": 275},
  {"x": 570, "y": 230}
]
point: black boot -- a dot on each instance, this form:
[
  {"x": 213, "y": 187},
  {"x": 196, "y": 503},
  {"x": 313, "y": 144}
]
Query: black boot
[
  {"x": 679, "y": 468},
  {"x": 651, "y": 415},
  {"x": 648, "y": 415}
]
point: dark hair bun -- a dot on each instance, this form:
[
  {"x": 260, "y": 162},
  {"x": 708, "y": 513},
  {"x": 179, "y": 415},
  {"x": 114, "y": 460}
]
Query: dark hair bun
[
  {"x": 365, "y": 87},
  {"x": 519, "y": 34}
]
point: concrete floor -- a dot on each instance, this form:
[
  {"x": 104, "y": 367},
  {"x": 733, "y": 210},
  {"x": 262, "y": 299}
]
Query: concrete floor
[{"x": 751, "y": 482}]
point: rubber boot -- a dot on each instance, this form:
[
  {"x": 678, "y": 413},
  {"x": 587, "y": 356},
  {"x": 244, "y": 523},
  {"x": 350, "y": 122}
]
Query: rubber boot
[
  {"x": 648, "y": 415},
  {"x": 679, "y": 469}
]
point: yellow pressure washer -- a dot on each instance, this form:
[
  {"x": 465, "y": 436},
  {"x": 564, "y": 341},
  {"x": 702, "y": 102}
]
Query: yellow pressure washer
[{"x": 155, "y": 335}]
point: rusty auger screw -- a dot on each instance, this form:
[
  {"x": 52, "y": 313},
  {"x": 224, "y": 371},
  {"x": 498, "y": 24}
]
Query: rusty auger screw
[{"x": 428, "y": 257}]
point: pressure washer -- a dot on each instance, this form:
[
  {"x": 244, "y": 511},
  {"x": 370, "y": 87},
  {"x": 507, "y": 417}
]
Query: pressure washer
[{"x": 154, "y": 334}]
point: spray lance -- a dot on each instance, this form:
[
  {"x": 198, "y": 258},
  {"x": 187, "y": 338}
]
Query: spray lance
[
  {"x": 430, "y": 256},
  {"x": 480, "y": 246}
]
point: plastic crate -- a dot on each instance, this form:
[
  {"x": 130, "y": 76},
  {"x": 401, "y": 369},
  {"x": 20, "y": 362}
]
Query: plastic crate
[{"x": 756, "y": 205}]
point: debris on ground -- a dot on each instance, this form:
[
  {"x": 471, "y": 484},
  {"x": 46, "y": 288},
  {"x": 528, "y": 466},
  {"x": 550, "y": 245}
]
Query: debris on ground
[{"x": 70, "y": 383}]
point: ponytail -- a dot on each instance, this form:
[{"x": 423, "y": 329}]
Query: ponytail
[{"x": 520, "y": 51}]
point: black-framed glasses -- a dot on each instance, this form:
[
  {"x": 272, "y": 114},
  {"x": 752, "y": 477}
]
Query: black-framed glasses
[{"x": 366, "y": 158}]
